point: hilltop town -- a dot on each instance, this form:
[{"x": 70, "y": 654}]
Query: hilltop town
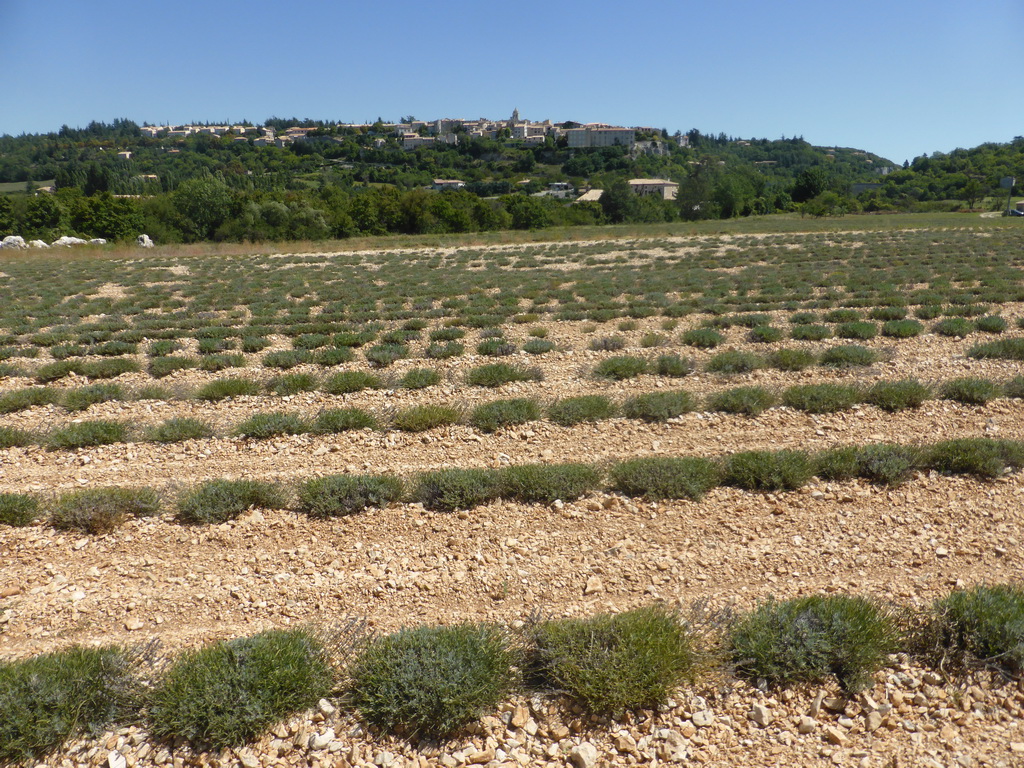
[{"x": 418, "y": 133}]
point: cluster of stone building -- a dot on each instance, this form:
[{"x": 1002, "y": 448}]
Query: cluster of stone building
[{"x": 418, "y": 133}]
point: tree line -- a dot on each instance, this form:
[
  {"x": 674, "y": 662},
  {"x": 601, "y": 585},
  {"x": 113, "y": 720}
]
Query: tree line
[{"x": 347, "y": 181}]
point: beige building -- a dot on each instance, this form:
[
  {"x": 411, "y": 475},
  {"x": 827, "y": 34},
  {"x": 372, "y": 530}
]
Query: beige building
[
  {"x": 594, "y": 136},
  {"x": 440, "y": 184},
  {"x": 662, "y": 188}
]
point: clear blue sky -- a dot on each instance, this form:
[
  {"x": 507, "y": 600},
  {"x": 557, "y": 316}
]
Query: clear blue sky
[{"x": 899, "y": 78}]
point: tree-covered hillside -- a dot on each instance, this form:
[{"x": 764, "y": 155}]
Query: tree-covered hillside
[{"x": 342, "y": 180}]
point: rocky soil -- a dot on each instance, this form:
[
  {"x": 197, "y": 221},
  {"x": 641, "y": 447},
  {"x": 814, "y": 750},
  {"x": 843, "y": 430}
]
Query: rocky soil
[{"x": 403, "y": 565}]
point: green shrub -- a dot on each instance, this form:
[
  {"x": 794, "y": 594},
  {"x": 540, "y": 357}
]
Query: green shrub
[
  {"x": 101, "y": 510},
  {"x": 607, "y": 344},
  {"x": 902, "y": 329},
  {"x": 331, "y": 356},
  {"x": 703, "y": 338},
  {"x": 354, "y": 338},
  {"x": 339, "y": 495},
  {"x": 895, "y": 396},
  {"x": 658, "y": 406},
  {"x": 346, "y": 382},
  {"x": 810, "y": 332},
  {"x": 18, "y": 509},
  {"x": 47, "y": 700},
  {"x": 768, "y": 470},
  {"x": 1004, "y": 349},
  {"x": 153, "y": 392},
  {"x": 651, "y": 339},
  {"x": 431, "y": 681},
  {"x": 887, "y": 464},
  {"x": 837, "y": 464},
  {"x": 108, "y": 369},
  {"x": 217, "y": 501},
  {"x": 957, "y": 327},
  {"x": 221, "y": 389},
  {"x": 447, "y": 490},
  {"x": 750, "y": 401},
  {"x": 733, "y": 361},
  {"x": 1014, "y": 387},
  {"x": 659, "y": 477},
  {"x": 538, "y": 346},
  {"x": 970, "y": 390},
  {"x": 253, "y": 344},
  {"x": 576, "y": 410},
  {"x": 540, "y": 332},
  {"x": 164, "y": 366},
  {"x": 757, "y": 320},
  {"x": 611, "y": 663},
  {"x": 51, "y": 372},
  {"x": 928, "y": 311},
  {"x": 261, "y": 426},
  {"x": 292, "y": 384},
  {"x": 229, "y": 693},
  {"x": 86, "y": 434},
  {"x": 163, "y": 347},
  {"x": 848, "y": 356},
  {"x": 214, "y": 346},
  {"x": 842, "y": 316},
  {"x": 490, "y": 417},
  {"x": 177, "y": 430},
  {"x": 978, "y": 456},
  {"x": 310, "y": 341},
  {"x": 791, "y": 359},
  {"x": 544, "y": 483},
  {"x": 10, "y": 370},
  {"x": 810, "y": 639},
  {"x": 888, "y": 314},
  {"x": 335, "y": 420},
  {"x": 859, "y": 329},
  {"x": 496, "y": 374},
  {"x": 984, "y": 624},
  {"x": 420, "y": 418},
  {"x": 215, "y": 363},
  {"x": 674, "y": 366},
  {"x": 444, "y": 351},
  {"x": 821, "y": 398},
  {"x": 765, "y": 334},
  {"x": 447, "y": 334},
  {"x": 420, "y": 378},
  {"x": 286, "y": 359},
  {"x": 620, "y": 368},
  {"x": 804, "y": 318},
  {"x": 966, "y": 310},
  {"x": 80, "y": 398},
  {"x": 498, "y": 347},
  {"x": 12, "y": 437},
  {"x": 384, "y": 354},
  {"x": 991, "y": 324}
]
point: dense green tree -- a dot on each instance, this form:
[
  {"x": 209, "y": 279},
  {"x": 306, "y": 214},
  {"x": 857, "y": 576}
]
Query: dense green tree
[
  {"x": 6, "y": 216},
  {"x": 619, "y": 203},
  {"x": 202, "y": 205},
  {"x": 43, "y": 218}
]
